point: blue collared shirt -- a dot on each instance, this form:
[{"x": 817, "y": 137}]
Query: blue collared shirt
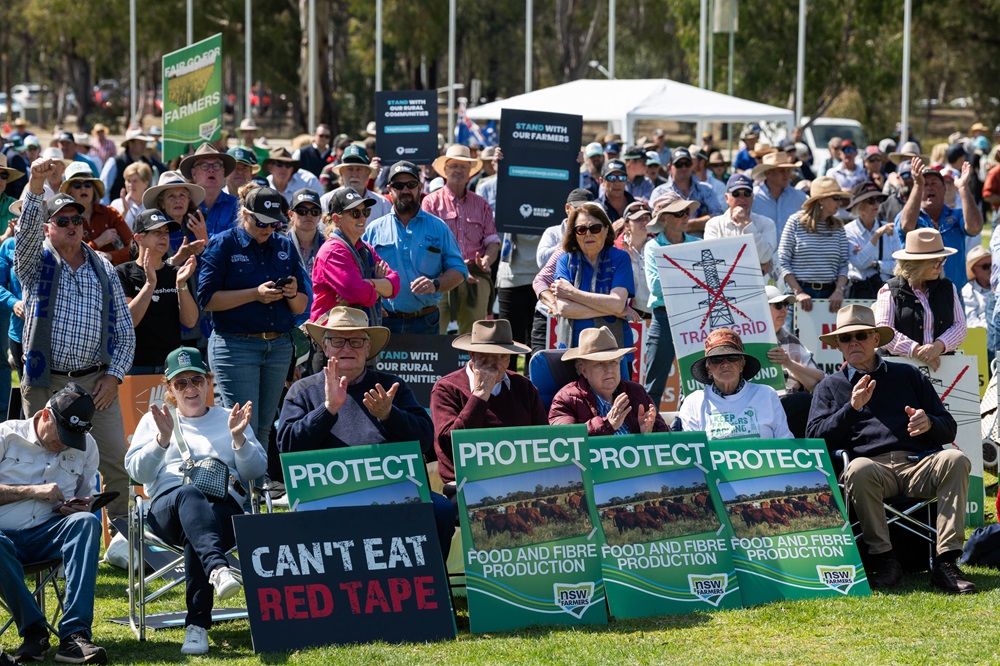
[
  {"x": 789, "y": 203},
  {"x": 222, "y": 216},
  {"x": 951, "y": 224},
  {"x": 699, "y": 191},
  {"x": 424, "y": 247},
  {"x": 234, "y": 260}
]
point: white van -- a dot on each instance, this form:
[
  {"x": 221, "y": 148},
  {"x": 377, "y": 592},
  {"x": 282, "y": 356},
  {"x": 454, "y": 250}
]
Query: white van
[{"x": 817, "y": 136}]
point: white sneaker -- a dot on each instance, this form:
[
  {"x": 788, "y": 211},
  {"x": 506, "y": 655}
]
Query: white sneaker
[
  {"x": 195, "y": 640},
  {"x": 225, "y": 584}
]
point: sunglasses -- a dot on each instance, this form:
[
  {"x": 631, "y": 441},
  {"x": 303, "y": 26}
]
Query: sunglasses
[
  {"x": 208, "y": 166},
  {"x": 742, "y": 194},
  {"x": 281, "y": 165},
  {"x": 4, "y": 175},
  {"x": 731, "y": 359},
  {"x": 264, "y": 225},
  {"x": 860, "y": 336},
  {"x": 308, "y": 212},
  {"x": 80, "y": 184},
  {"x": 63, "y": 222},
  {"x": 615, "y": 178},
  {"x": 325, "y": 136},
  {"x": 841, "y": 200},
  {"x": 593, "y": 229},
  {"x": 849, "y": 151},
  {"x": 984, "y": 267},
  {"x": 340, "y": 343},
  {"x": 683, "y": 164},
  {"x": 781, "y": 305},
  {"x": 678, "y": 214},
  {"x": 180, "y": 384},
  {"x": 358, "y": 213},
  {"x": 408, "y": 185}
]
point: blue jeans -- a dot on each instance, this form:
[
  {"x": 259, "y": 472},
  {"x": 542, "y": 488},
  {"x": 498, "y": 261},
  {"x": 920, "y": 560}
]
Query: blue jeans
[
  {"x": 444, "y": 518},
  {"x": 77, "y": 540},
  {"x": 426, "y": 325},
  {"x": 251, "y": 369},
  {"x": 661, "y": 353},
  {"x": 183, "y": 517}
]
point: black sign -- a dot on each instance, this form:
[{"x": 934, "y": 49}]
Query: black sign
[
  {"x": 421, "y": 360},
  {"x": 344, "y": 575},
  {"x": 539, "y": 169},
  {"x": 406, "y": 124}
]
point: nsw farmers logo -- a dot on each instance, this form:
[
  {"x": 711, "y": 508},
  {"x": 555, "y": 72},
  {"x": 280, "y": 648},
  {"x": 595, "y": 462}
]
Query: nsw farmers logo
[
  {"x": 574, "y": 599},
  {"x": 710, "y": 589},
  {"x": 840, "y": 578}
]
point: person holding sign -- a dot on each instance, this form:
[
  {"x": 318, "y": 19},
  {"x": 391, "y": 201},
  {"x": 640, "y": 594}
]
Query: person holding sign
[
  {"x": 920, "y": 304},
  {"x": 600, "y": 397},
  {"x": 180, "y": 512},
  {"x": 483, "y": 394},
  {"x": 732, "y": 407},
  {"x": 890, "y": 420}
]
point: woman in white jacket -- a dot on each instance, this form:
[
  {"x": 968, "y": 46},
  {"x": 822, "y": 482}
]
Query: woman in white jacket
[{"x": 181, "y": 514}]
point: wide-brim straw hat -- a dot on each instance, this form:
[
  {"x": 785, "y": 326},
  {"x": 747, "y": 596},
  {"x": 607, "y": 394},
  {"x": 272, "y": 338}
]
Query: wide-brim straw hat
[
  {"x": 762, "y": 148},
  {"x": 716, "y": 159},
  {"x": 596, "y": 344},
  {"x": 975, "y": 254},
  {"x": 668, "y": 202},
  {"x": 461, "y": 153},
  {"x": 823, "y": 188},
  {"x": 206, "y": 150},
  {"x": 490, "y": 336},
  {"x": 924, "y": 244},
  {"x": 865, "y": 191},
  {"x": 81, "y": 171},
  {"x": 247, "y": 125},
  {"x": 722, "y": 342},
  {"x": 280, "y": 155},
  {"x": 343, "y": 318},
  {"x": 136, "y": 134},
  {"x": 908, "y": 151},
  {"x": 12, "y": 174},
  {"x": 852, "y": 318},
  {"x": 772, "y": 161},
  {"x": 168, "y": 181}
]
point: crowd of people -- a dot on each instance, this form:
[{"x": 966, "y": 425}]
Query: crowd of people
[{"x": 274, "y": 279}]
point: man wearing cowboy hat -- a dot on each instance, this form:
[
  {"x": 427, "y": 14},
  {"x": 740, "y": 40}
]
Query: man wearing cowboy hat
[
  {"x": 92, "y": 340},
  {"x": 717, "y": 165},
  {"x": 740, "y": 220},
  {"x": 136, "y": 148},
  {"x": 891, "y": 422},
  {"x": 483, "y": 394},
  {"x": 285, "y": 176},
  {"x": 470, "y": 218},
  {"x": 925, "y": 208},
  {"x": 7, "y": 175},
  {"x": 208, "y": 169},
  {"x": 683, "y": 182},
  {"x": 608, "y": 404},
  {"x": 248, "y": 133},
  {"x": 355, "y": 170},
  {"x": 317, "y": 154},
  {"x": 244, "y": 168},
  {"x": 775, "y": 198}
]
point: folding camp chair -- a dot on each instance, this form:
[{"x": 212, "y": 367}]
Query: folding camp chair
[{"x": 46, "y": 575}]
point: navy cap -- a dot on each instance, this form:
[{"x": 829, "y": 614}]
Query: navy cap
[
  {"x": 680, "y": 154},
  {"x": 739, "y": 181},
  {"x": 404, "y": 167},
  {"x": 954, "y": 152},
  {"x": 345, "y": 198},
  {"x": 633, "y": 153},
  {"x": 613, "y": 147},
  {"x": 65, "y": 136},
  {"x": 612, "y": 166},
  {"x": 579, "y": 196},
  {"x": 58, "y": 201},
  {"x": 905, "y": 168},
  {"x": 150, "y": 219},
  {"x": 72, "y": 409},
  {"x": 266, "y": 203},
  {"x": 305, "y": 195}
]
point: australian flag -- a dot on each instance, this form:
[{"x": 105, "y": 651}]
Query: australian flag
[{"x": 467, "y": 130}]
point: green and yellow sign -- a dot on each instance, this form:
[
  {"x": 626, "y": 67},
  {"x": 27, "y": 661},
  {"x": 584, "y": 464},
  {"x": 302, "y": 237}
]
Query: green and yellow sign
[{"x": 192, "y": 96}]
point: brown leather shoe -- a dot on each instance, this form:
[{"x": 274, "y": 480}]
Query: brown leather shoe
[
  {"x": 948, "y": 577},
  {"x": 888, "y": 574}
]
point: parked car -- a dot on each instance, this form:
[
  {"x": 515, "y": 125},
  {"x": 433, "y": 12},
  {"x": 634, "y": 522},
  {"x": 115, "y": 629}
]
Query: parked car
[
  {"x": 30, "y": 95},
  {"x": 817, "y": 135},
  {"x": 15, "y": 107}
]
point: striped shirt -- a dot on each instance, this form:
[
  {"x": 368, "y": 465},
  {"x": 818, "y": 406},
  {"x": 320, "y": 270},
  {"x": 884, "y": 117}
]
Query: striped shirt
[
  {"x": 76, "y": 321},
  {"x": 817, "y": 257},
  {"x": 469, "y": 218},
  {"x": 885, "y": 315}
]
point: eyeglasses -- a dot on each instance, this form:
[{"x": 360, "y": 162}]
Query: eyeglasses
[
  {"x": 683, "y": 164},
  {"x": 731, "y": 359},
  {"x": 208, "y": 166},
  {"x": 308, "y": 212},
  {"x": 984, "y": 267},
  {"x": 860, "y": 336},
  {"x": 408, "y": 185},
  {"x": 180, "y": 384},
  {"x": 3, "y": 175},
  {"x": 63, "y": 222},
  {"x": 841, "y": 200},
  {"x": 742, "y": 194},
  {"x": 616, "y": 178},
  {"x": 80, "y": 184},
  {"x": 281, "y": 165},
  {"x": 939, "y": 263},
  {"x": 264, "y": 225},
  {"x": 781, "y": 305},
  {"x": 338, "y": 343},
  {"x": 358, "y": 213},
  {"x": 593, "y": 229}
]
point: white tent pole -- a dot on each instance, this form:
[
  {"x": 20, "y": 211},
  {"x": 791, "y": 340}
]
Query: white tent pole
[
  {"x": 529, "y": 11},
  {"x": 800, "y": 74},
  {"x": 702, "y": 43},
  {"x": 190, "y": 22},
  {"x": 451, "y": 71},
  {"x": 904, "y": 130},
  {"x": 378, "y": 45}
]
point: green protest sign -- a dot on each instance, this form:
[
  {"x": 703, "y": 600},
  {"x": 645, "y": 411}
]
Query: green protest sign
[
  {"x": 529, "y": 527},
  {"x": 664, "y": 550},
  {"x": 786, "y": 520},
  {"x": 379, "y": 474},
  {"x": 192, "y": 96}
]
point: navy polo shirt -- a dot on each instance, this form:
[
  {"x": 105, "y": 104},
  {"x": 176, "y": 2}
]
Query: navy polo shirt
[{"x": 233, "y": 260}]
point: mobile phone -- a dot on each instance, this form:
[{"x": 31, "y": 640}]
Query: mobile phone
[
  {"x": 281, "y": 283},
  {"x": 103, "y": 499}
]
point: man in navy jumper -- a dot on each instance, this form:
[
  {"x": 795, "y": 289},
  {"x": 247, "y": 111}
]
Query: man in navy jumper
[
  {"x": 350, "y": 404},
  {"x": 890, "y": 420}
]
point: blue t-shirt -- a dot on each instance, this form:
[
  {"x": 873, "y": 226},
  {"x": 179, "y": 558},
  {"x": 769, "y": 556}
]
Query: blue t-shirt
[
  {"x": 234, "y": 260},
  {"x": 621, "y": 276},
  {"x": 744, "y": 160},
  {"x": 951, "y": 224}
]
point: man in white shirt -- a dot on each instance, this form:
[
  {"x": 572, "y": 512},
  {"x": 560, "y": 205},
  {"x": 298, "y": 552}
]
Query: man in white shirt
[
  {"x": 849, "y": 173},
  {"x": 738, "y": 220}
]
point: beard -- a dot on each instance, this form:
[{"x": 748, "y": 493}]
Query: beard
[{"x": 405, "y": 206}]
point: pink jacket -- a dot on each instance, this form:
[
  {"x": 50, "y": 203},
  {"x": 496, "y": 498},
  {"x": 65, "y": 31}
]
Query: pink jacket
[{"x": 337, "y": 279}]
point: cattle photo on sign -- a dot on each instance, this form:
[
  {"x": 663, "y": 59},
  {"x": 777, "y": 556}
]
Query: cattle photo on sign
[
  {"x": 655, "y": 507},
  {"x": 529, "y": 508},
  {"x": 782, "y": 504}
]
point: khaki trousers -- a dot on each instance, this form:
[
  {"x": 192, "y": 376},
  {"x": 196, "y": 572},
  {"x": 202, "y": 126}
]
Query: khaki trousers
[
  {"x": 108, "y": 432},
  {"x": 465, "y": 304},
  {"x": 944, "y": 475}
]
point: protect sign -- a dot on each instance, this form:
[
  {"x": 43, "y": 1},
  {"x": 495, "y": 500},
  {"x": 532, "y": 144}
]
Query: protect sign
[
  {"x": 379, "y": 474},
  {"x": 529, "y": 527},
  {"x": 785, "y": 520},
  {"x": 717, "y": 284},
  {"x": 663, "y": 551},
  {"x": 348, "y": 575},
  {"x": 192, "y": 96}
]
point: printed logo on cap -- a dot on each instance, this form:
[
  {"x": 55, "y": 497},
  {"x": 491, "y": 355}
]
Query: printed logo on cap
[
  {"x": 271, "y": 204},
  {"x": 350, "y": 196},
  {"x": 282, "y": 255},
  {"x": 184, "y": 358}
]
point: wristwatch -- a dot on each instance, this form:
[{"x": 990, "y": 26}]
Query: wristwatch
[{"x": 437, "y": 284}]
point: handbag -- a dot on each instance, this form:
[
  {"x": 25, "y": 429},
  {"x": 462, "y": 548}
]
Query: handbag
[{"x": 209, "y": 475}]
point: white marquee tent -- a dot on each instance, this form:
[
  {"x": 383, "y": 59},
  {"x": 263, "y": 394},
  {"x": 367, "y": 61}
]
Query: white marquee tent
[{"x": 623, "y": 101}]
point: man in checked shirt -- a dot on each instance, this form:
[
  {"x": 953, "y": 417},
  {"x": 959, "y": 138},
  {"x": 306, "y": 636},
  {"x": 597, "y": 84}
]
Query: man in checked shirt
[
  {"x": 470, "y": 218},
  {"x": 77, "y": 324}
]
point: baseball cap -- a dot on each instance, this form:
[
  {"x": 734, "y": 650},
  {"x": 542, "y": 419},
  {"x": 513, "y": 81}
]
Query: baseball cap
[
  {"x": 345, "y": 198},
  {"x": 637, "y": 209},
  {"x": 847, "y": 143},
  {"x": 653, "y": 158},
  {"x": 633, "y": 153},
  {"x": 612, "y": 166},
  {"x": 955, "y": 151},
  {"x": 872, "y": 151},
  {"x": 185, "y": 359},
  {"x": 305, "y": 195},
  {"x": 355, "y": 154},
  {"x": 152, "y": 218},
  {"x": 593, "y": 150},
  {"x": 266, "y": 203},
  {"x": 32, "y": 141},
  {"x": 72, "y": 410},
  {"x": 65, "y": 136},
  {"x": 58, "y": 201},
  {"x": 680, "y": 154},
  {"x": 404, "y": 167},
  {"x": 932, "y": 171},
  {"x": 244, "y": 155},
  {"x": 739, "y": 181},
  {"x": 613, "y": 147},
  {"x": 905, "y": 168},
  {"x": 774, "y": 295},
  {"x": 579, "y": 196}
]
